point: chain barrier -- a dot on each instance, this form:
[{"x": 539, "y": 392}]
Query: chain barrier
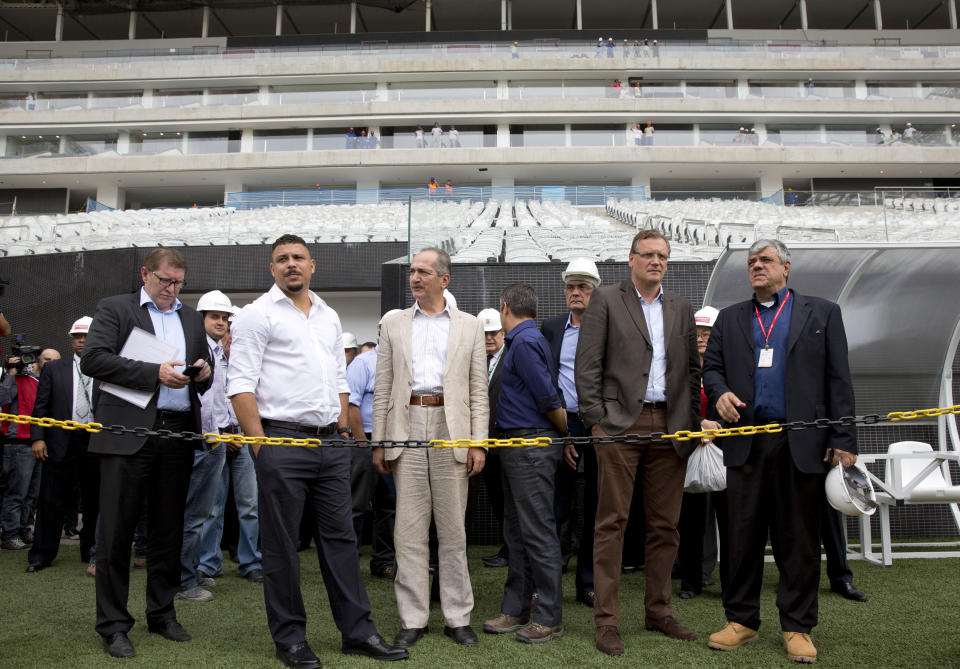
[{"x": 680, "y": 435}]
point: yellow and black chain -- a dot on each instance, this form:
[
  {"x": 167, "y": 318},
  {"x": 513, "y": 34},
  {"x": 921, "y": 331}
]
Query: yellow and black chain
[{"x": 680, "y": 435}]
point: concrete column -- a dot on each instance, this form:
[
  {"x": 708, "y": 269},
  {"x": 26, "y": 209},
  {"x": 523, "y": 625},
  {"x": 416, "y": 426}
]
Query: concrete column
[
  {"x": 761, "y": 129},
  {"x": 278, "y": 23},
  {"x": 503, "y": 89},
  {"x": 804, "y": 24},
  {"x": 111, "y": 195},
  {"x": 823, "y": 133},
  {"x": 63, "y": 144},
  {"x": 743, "y": 89},
  {"x": 579, "y": 14},
  {"x": 264, "y": 95},
  {"x": 568, "y": 134},
  {"x": 769, "y": 184},
  {"x": 246, "y": 140},
  {"x": 185, "y": 143},
  {"x": 426, "y": 20},
  {"x": 654, "y": 15},
  {"x": 503, "y": 14},
  {"x": 3, "y": 145},
  {"x": 642, "y": 181},
  {"x": 952, "y": 11},
  {"x": 860, "y": 89},
  {"x": 58, "y": 31},
  {"x": 231, "y": 187},
  {"x": 503, "y": 135},
  {"x": 502, "y": 182},
  {"x": 132, "y": 25},
  {"x": 123, "y": 142},
  {"x": 309, "y": 139},
  {"x": 729, "y": 7},
  {"x": 368, "y": 190},
  {"x": 147, "y": 99},
  {"x": 353, "y": 17},
  {"x": 205, "y": 29},
  {"x": 90, "y": 98},
  {"x": 878, "y": 15},
  {"x": 383, "y": 94},
  {"x": 696, "y": 134},
  {"x": 947, "y": 135},
  {"x": 509, "y": 14}
]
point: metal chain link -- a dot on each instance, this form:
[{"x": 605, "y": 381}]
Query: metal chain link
[{"x": 515, "y": 442}]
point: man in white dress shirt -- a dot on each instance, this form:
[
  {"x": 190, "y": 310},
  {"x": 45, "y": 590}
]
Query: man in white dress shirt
[
  {"x": 288, "y": 379},
  {"x": 431, "y": 383}
]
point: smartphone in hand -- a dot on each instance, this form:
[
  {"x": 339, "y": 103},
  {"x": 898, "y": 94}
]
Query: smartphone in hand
[{"x": 192, "y": 370}]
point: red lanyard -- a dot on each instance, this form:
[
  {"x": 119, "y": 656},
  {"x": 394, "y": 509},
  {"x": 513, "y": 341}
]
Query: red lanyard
[{"x": 766, "y": 333}]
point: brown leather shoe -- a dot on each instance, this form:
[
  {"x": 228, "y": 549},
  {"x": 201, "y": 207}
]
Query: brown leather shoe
[
  {"x": 732, "y": 636},
  {"x": 799, "y": 647},
  {"x": 608, "y": 640},
  {"x": 536, "y": 633},
  {"x": 671, "y": 628},
  {"x": 504, "y": 624}
]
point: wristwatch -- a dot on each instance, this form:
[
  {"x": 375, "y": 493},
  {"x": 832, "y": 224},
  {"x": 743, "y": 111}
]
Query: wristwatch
[{"x": 345, "y": 430}]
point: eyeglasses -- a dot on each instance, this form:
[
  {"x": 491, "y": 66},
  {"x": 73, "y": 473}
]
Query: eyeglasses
[
  {"x": 166, "y": 283},
  {"x": 649, "y": 255}
]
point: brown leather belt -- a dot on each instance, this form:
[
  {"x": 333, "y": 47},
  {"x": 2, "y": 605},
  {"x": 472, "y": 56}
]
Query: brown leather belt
[{"x": 426, "y": 400}]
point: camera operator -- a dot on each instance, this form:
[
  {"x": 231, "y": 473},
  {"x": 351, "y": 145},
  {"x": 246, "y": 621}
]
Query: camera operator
[{"x": 23, "y": 471}]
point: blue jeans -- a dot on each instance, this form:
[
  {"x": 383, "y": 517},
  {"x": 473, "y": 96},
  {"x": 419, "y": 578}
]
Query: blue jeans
[
  {"x": 239, "y": 468},
  {"x": 23, "y": 486},
  {"x": 207, "y": 465}
]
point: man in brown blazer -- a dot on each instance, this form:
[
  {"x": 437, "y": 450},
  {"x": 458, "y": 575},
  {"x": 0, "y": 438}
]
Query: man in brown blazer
[
  {"x": 638, "y": 372},
  {"x": 431, "y": 383}
]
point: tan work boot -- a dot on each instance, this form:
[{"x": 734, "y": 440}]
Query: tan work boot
[
  {"x": 799, "y": 647},
  {"x": 608, "y": 640},
  {"x": 503, "y": 624},
  {"x": 732, "y": 636},
  {"x": 537, "y": 633}
]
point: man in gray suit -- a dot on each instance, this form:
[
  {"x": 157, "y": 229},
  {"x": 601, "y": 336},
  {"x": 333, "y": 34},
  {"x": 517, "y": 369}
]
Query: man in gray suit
[
  {"x": 638, "y": 372},
  {"x": 431, "y": 384}
]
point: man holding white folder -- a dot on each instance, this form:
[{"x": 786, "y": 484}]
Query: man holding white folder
[{"x": 135, "y": 469}]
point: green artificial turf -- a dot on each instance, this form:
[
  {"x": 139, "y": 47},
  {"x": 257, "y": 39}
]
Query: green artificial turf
[{"x": 911, "y": 621}]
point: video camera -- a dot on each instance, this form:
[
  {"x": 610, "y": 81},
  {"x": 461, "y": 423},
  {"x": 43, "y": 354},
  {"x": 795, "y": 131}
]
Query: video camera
[{"x": 28, "y": 354}]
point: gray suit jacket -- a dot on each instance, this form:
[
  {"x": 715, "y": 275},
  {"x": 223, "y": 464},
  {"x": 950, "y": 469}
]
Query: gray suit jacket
[
  {"x": 613, "y": 361},
  {"x": 465, "y": 400}
]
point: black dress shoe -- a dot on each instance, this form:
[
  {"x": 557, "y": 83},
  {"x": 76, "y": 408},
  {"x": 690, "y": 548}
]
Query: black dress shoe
[
  {"x": 374, "y": 647},
  {"x": 171, "y": 630},
  {"x": 463, "y": 636},
  {"x": 495, "y": 561},
  {"x": 589, "y": 598},
  {"x": 298, "y": 656},
  {"x": 409, "y": 636},
  {"x": 118, "y": 645},
  {"x": 36, "y": 566},
  {"x": 847, "y": 590}
]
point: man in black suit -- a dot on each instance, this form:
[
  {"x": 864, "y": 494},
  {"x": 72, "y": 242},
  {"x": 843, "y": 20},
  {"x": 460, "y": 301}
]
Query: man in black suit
[
  {"x": 64, "y": 393},
  {"x": 778, "y": 357},
  {"x": 137, "y": 468},
  {"x": 563, "y": 332},
  {"x": 493, "y": 337}
]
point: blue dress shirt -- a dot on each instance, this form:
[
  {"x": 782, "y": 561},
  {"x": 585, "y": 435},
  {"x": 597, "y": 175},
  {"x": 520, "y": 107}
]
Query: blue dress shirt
[
  {"x": 770, "y": 383},
  {"x": 653, "y": 314},
  {"x": 168, "y": 327},
  {"x": 528, "y": 382},
  {"x": 361, "y": 375},
  {"x": 568, "y": 353}
]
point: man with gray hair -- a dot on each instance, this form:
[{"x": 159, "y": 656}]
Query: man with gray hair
[{"x": 777, "y": 357}]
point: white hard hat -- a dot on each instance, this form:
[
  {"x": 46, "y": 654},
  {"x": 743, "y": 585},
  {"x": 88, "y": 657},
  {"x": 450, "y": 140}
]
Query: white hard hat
[
  {"x": 81, "y": 325},
  {"x": 490, "y": 319},
  {"x": 706, "y": 317},
  {"x": 392, "y": 311},
  {"x": 215, "y": 301},
  {"x": 350, "y": 340},
  {"x": 850, "y": 492},
  {"x": 451, "y": 300},
  {"x": 582, "y": 268}
]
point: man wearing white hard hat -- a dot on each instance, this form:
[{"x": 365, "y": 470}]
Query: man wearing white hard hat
[
  {"x": 215, "y": 308},
  {"x": 350, "y": 347},
  {"x": 563, "y": 332},
  {"x": 64, "y": 393},
  {"x": 367, "y": 485},
  {"x": 493, "y": 345}
]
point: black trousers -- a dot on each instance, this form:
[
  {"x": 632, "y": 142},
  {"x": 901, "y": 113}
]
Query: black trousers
[
  {"x": 58, "y": 480},
  {"x": 287, "y": 478},
  {"x": 835, "y": 546},
  {"x": 565, "y": 506},
  {"x": 493, "y": 480},
  {"x": 768, "y": 494},
  {"x": 696, "y": 516},
  {"x": 159, "y": 473},
  {"x": 372, "y": 493}
]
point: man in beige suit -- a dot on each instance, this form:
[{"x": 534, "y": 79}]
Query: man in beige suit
[
  {"x": 638, "y": 372},
  {"x": 431, "y": 383}
]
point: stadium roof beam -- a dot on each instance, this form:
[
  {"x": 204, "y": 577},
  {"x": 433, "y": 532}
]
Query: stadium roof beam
[
  {"x": 80, "y": 23},
  {"x": 786, "y": 16},
  {"x": 151, "y": 23},
  {"x": 290, "y": 19},
  {"x": 930, "y": 13},
  {"x": 15, "y": 27},
  {"x": 856, "y": 16},
  {"x": 221, "y": 21},
  {"x": 713, "y": 22}
]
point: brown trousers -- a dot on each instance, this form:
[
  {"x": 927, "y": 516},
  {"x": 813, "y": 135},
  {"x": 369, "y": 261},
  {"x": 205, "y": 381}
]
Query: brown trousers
[{"x": 662, "y": 472}]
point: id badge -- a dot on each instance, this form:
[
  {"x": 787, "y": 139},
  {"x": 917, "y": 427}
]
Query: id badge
[{"x": 766, "y": 358}]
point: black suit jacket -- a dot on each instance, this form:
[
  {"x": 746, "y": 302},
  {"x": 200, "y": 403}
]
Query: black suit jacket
[
  {"x": 818, "y": 378},
  {"x": 552, "y": 329},
  {"x": 55, "y": 400},
  {"x": 493, "y": 388},
  {"x": 113, "y": 321}
]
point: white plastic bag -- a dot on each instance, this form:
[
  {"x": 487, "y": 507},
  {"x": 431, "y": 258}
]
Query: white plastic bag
[{"x": 705, "y": 470}]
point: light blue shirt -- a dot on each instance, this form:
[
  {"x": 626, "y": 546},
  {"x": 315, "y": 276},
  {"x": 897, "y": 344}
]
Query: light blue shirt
[
  {"x": 167, "y": 327},
  {"x": 361, "y": 374},
  {"x": 653, "y": 314},
  {"x": 568, "y": 353},
  {"x": 215, "y": 410}
]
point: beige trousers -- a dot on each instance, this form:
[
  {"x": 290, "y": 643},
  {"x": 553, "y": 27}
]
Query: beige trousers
[{"x": 431, "y": 482}]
